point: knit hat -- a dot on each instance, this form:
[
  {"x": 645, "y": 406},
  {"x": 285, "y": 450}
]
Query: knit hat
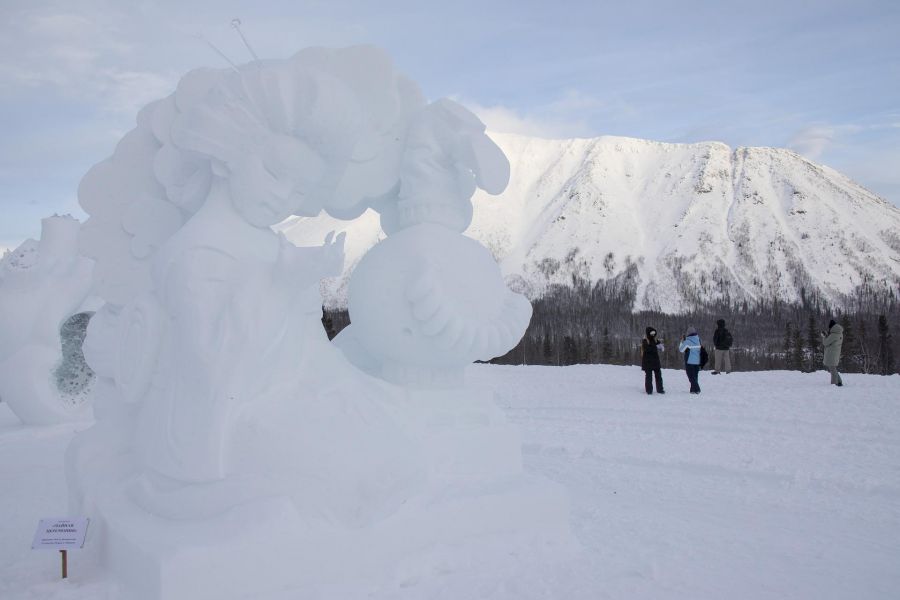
[
  {"x": 691, "y": 330},
  {"x": 651, "y": 332},
  {"x": 831, "y": 323}
]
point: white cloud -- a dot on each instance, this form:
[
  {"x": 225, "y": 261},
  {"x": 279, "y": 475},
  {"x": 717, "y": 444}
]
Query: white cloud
[
  {"x": 818, "y": 139},
  {"x": 56, "y": 50},
  {"x": 812, "y": 141},
  {"x": 575, "y": 101},
  {"x": 866, "y": 152},
  {"x": 563, "y": 117},
  {"x": 126, "y": 92},
  {"x": 502, "y": 119}
]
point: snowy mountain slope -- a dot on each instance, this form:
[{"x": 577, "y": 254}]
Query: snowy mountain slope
[{"x": 689, "y": 222}]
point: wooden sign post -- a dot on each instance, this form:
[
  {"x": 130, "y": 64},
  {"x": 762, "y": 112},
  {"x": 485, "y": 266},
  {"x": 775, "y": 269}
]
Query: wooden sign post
[{"x": 63, "y": 535}]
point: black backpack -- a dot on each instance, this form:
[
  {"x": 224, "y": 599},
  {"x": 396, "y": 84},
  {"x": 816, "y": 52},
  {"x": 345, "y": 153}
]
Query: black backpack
[
  {"x": 727, "y": 340},
  {"x": 704, "y": 356}
]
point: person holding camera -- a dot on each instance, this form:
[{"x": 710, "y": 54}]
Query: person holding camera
[
  {"x": 690, "y": 345},
  {"x": 650, "y": 363}
]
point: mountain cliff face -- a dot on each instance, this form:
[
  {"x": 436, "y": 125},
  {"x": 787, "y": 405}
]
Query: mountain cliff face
[{"x": 680, "y": 224}]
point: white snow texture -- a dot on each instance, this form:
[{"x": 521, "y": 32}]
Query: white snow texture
[
  {"x": 232, "y": 436},
  {"x": 41, "y": 285},
  {"x": 767, "y": 486},
  {"x": 697, "y": 223}
]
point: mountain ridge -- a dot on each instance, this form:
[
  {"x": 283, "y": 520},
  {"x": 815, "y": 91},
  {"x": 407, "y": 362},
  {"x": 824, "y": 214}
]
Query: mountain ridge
[{"x": 684, "y": 224}]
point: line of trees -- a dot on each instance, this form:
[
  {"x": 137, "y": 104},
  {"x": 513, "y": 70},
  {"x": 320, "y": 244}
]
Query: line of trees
[{"x": 580, "y": 324}]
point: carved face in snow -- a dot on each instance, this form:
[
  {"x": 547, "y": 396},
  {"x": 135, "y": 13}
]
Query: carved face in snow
[{"x": 269, "y": 186}]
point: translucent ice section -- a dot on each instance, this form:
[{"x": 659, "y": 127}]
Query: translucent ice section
[
  {"x": 73, "y": 377},
  {"x": 43, "y": 375}
]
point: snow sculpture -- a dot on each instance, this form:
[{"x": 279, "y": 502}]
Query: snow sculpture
[
  {"x": 441, "y": 300},
  {"x": 43, "y": 376},
  {"x": 231, "y": 433}
]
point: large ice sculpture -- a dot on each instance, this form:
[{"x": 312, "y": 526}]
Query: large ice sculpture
[
  {"x": 427, "y": 301},
  {"x": 43, "y": 376},
  {"x": 232, "y": 435}
]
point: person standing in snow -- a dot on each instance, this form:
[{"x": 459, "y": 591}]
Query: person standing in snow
[
  {"x": 831, "y": 343},
  {"x": 650, "y": 363},
  {"x": 722, "y": 341},
  {"x": 690, "y": 346}
]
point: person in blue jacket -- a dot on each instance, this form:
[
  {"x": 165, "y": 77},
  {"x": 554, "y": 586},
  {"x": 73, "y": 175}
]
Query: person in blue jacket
[{"x": 691, "y": 341}]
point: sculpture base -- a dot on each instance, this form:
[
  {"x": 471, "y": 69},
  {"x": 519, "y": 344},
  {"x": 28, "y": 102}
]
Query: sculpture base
[
  {"x": 260, "y": 549},
  {"x": 475, "y": 514}
]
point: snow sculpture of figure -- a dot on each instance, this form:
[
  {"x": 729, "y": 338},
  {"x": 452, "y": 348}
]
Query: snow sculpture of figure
[
  {"x": 442, "y": 302},
  {"x": 223, "y": 411},
  {"x": 223, "y": 323},
  {"x": 227, "y": 284},
  {"x": 43, "y": 377}
]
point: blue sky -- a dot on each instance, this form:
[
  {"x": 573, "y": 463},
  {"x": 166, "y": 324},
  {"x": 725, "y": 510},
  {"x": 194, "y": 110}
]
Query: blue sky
[{"x": 821, "y": 77}]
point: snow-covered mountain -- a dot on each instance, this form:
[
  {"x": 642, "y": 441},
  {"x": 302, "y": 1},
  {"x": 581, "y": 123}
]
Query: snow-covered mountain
[{"x": 687, "y": 222}]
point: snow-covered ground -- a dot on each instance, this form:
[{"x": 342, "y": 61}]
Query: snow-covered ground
[{"x": 767, "y": 485}]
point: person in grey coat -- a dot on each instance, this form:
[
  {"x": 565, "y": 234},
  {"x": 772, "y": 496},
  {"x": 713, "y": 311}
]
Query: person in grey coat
[{"x": 831, "y": 343}]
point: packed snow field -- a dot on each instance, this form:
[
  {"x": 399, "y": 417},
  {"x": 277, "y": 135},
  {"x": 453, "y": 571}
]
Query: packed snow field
[{"x": 767, "y": 485}]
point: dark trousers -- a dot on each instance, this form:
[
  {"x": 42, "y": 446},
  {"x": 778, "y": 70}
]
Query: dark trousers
[
  {"x": 648, "y": 380},
  {"x": 693, "y": 373}
]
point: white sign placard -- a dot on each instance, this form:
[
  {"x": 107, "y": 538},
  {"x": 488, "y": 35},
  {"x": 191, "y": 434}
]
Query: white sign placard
[{"x": 60, "y": 534}]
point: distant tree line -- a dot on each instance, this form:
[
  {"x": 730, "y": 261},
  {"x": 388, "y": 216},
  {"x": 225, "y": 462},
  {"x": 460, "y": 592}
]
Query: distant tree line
[
  {"x": 574, "y": 325},
  {"x": 591, "y": 324}
]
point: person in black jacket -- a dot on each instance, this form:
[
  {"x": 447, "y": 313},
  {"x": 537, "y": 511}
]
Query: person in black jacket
[
  {"x": 722, "y": 340},
  {"x": 650, "y": 363}
]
